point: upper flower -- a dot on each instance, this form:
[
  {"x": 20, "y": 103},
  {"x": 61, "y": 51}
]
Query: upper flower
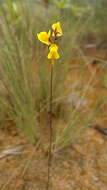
[{"x": 57, "y": 29}]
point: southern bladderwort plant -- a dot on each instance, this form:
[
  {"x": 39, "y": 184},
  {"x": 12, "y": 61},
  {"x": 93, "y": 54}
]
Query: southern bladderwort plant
[{"x": 50, "y": 38}]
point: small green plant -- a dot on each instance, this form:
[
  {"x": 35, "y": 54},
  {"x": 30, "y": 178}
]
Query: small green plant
[
  {"x": 14, "y": 10},
  {"x": 79, "y": 11},
  {"x": 62, "y": 4}
]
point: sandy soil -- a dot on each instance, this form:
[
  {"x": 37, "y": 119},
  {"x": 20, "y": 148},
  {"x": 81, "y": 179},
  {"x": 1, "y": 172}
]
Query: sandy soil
[{"x": 82, "y": 166}]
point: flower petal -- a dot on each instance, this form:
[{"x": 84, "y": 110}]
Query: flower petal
[
  {"x": 44, "y": 37},
  {"x": 53, "y": 46}
]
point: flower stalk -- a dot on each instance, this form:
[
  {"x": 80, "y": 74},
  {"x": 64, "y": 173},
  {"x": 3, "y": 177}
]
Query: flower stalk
[{"x": 50, "y": 128}]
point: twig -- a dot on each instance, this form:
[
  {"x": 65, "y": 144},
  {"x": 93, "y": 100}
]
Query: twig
[{"x": 11, "y": 151}]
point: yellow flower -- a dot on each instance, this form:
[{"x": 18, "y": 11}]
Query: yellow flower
[
  {"x": 44, "y": 37},
  {"x": 53, "y": 54},
  {"x": 49, "y": 38},
  {"x": 57, "y": 29}
]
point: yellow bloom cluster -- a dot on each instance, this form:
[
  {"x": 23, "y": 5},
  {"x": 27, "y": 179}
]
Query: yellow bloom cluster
[{"x": 50, "y": 38}]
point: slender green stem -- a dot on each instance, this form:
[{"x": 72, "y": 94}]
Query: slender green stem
[{"x": 50, "y": 129}]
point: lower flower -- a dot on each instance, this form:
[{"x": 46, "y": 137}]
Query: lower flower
[{"x": 53, "y": 54}]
